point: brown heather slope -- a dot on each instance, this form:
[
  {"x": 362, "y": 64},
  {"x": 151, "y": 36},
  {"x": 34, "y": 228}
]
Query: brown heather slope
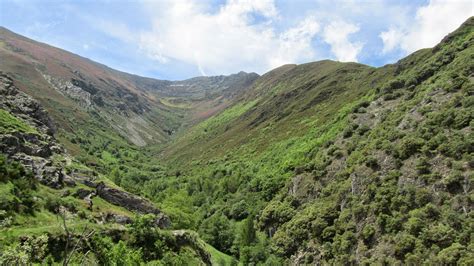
[{"x": 142, "y": 110}]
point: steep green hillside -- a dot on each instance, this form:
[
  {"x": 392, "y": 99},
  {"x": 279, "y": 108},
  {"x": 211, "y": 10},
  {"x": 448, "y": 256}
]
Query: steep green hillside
[
  {"x": 339, "y": 163},
  {"x": 319, "y": 163}
]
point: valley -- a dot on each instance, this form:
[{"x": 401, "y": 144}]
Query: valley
[{"x": 316, "y": 163}]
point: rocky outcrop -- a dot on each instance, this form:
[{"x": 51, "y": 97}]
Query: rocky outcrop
[
  {"x": 83, "y": 193},
  {"x": 23, "y": 106},
  {"x": 132, "y": 203},
  {"x": 34, "y": 147},
  {"x": 117, "y": 218},
  {"x": 71, "y": 90}
]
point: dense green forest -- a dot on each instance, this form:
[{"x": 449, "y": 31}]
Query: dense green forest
[{"x": 319, "y": 163}]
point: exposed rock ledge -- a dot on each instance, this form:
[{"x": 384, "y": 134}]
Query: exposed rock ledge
[
  {"x": 132, "y": 203},
  {"x": 33, "y": 149}
]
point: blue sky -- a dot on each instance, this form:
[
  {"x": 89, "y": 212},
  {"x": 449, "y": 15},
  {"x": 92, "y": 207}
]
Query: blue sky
[{"x": 182, "y": 38}]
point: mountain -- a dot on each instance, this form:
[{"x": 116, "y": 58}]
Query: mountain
[
  {"x": 143, "y": 110},
  {"x": 341, "y": 163},
  {"x": 319, "y": 163}
]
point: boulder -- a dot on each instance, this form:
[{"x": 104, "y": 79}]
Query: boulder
[
  {"x": 132, "y": 203},
  {"x": 117, "y": 218},
  {"x": 82, "y": 193}
]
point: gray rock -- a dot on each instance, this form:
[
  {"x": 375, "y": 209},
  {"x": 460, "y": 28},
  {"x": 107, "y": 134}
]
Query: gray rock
[
  {"x": 132, "y": 203},
  {"x": 32, "y": 149},
  {"x": 117, "y": 218},
  {"x": 83, "y": 193}
]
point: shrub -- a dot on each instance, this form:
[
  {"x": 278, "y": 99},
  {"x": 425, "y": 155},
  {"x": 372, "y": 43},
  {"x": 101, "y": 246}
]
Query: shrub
[
  {"x": 349, "y": 130},
  {"x": 440, "y": 234},
  {"x": 31, "y": 249},
  {"x": 422, "y": 166},
  {"x": 367, "y": 233},
  {"x": 359, "y": 108},
  {"x": 275, "y": 214},
  {"x": 393, "y": 85},
  {"x": 409, "y": 146},
  {"x": 371, "y": 162},
  {"x": 404, "y": 243},
  {"x": 454, "y": 182},
  {"x": 452, "y": 254},
  {"x": 414, "y": 225},
  {"x": 363, "y": 129},
  {"x": 216, "y": 230},
  {"x": 455, "y": 84}
]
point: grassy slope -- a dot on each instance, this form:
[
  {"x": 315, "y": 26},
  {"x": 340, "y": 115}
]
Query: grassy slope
[
  {"x": 377, "y": 216},
  {"x": 9, "y": 124},
  {"x": 291, "y": 124},
  {"x": 277, "y": 109}
]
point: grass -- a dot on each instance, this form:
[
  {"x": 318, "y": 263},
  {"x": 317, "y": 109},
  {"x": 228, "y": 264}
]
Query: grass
[
  {"x": 10, "y": 124},
  {"x": 175, "y": 103},
  {"x": 5, "y": 192},
  {"x": 108, "y": 157},
  {"x": 219, "y": 258}
]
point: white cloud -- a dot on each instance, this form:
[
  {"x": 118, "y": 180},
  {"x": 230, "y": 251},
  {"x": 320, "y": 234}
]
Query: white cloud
[
  {"x": 391, "y": 39},
  {"x": 115, "y": 29},
  {"x": 295, "y": 44},
  {"x": 431, "y": 23},
  {"x": 240, "y": 35},
  {"x": 336, "y": 34}
]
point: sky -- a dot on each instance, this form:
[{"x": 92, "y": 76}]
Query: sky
[{"x": 179, "y": 39}]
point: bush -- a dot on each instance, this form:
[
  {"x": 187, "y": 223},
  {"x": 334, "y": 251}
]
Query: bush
[
  {"x": 349, "y": 130},
  {"x": 452, "y": 254},
  {"x": 409, "y": 146},
  {"x": 363, "y": 129},
  {"x": 371, "y": 162},
  {"x": 404, "y": 243},
  {"x": 367, "y": 233},
  {"x": 275, "y": 214},
  {"x": 454, "y": 182},
  {"x": 110, "y": 253},
  {"x": 414, "y": 225},
  {"x": 440, "y": 235},
  {"x": 359, "y": 107},
  {"x": 455, "y": 84},
  {"x": 216, "y": 230},
  {"x": 423, "y": 166},
  {"x": 457, "y": 146},
  {"x": 393, "y": 85},
  {"x": 31, "y": 249}
]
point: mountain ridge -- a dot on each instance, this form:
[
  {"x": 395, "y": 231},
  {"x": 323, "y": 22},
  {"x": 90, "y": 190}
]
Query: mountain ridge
[
  {"x": 89, "y": 83},
  {"x": 318, "y": 163}
]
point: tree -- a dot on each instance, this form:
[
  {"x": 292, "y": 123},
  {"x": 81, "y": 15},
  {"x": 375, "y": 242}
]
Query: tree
[
  {"x": 217, "y": 231},
  {"x": 248, "y": 234}
]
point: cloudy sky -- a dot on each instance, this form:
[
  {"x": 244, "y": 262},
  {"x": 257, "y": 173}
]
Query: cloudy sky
[{"x": 180, "y": 39}]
